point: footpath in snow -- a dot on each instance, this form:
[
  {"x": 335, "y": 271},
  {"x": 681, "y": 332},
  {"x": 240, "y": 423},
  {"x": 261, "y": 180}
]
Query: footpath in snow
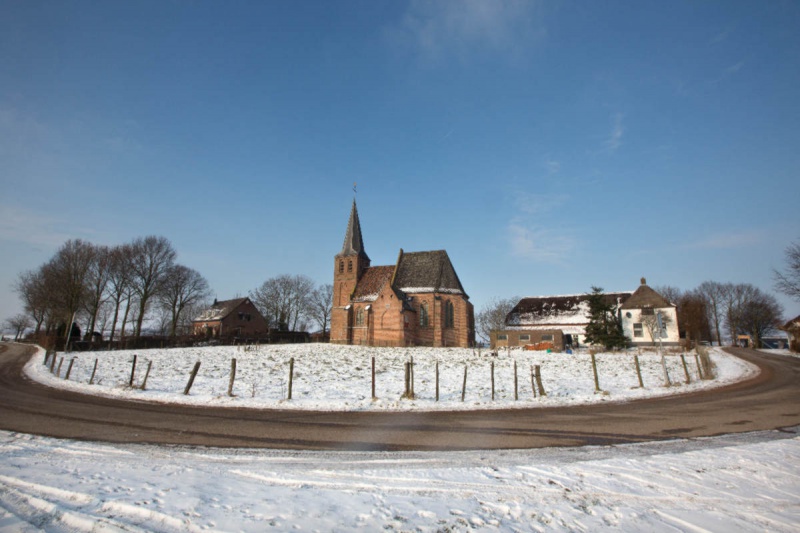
[{"x": 332, "y": 377}]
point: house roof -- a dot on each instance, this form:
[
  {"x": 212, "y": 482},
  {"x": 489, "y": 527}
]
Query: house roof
[
  {"x": 353, "y": 242},
  {"x": 557, "y": 310},
  {"x": 431, "y": 271},
  {"x": 372, "y": 282},
  {"x": 645, "y": 297},
  {"x": 793, "y": 324},
  {"x": 219, "y": 310}
]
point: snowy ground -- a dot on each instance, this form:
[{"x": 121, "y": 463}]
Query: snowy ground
[
  {"x": 747, "y": 482},
  {"x": 331, "y": 377}
]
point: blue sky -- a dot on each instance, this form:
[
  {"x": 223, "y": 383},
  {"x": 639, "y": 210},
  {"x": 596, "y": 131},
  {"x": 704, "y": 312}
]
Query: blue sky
[{"x": 547, "y": 146}]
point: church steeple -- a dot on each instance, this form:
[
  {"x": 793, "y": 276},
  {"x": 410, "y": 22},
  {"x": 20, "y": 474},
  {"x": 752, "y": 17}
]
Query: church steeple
[{"x": 353, "y": 242}]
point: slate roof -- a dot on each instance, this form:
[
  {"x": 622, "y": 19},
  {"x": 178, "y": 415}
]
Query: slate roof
[
  {"x": 353, "y": 241},
  {"x": 220, "y": 310},
  {"x": 372, "y": 282},
  {"x": 557, "y": 310},
  {"x": 427, "y": 272},
  {"x": 645, "y": 297}
]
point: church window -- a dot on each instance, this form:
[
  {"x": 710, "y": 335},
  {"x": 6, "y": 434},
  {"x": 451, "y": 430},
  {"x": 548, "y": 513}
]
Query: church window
[
  {"x": 349, "y": 266},
  {"x": 423, "y": 315},
  {"x": 341, "y": 267},
  {"x": 449, "y": 314},
  {"x": 360, "y": 317}
]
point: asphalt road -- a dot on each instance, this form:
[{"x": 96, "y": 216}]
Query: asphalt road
[{"x": 769, "y": 401}]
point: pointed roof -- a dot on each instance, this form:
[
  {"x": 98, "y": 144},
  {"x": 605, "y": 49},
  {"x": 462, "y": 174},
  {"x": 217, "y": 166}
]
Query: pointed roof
[
  {"x": 427, "y": 272},
  {"x": 644, "y": 297},
  {"x": 219, "y": 310},
  {"x": 353, "y": 242}
]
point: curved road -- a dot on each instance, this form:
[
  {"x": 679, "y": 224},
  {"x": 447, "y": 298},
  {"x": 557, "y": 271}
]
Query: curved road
[{"x": 771, "y": 400}]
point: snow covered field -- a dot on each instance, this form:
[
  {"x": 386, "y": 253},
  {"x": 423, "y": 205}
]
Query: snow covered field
[
  {"x": 332, "y": 377},
  {"x": 745, "y": 482}
]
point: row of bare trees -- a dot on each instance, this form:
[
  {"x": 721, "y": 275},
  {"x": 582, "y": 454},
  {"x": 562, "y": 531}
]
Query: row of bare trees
[
  {"x": 293, "y": 302},
  {"x": 109, "y": 287}
]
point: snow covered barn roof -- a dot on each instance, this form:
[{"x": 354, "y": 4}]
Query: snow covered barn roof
[{"x": 557, "y": 310}]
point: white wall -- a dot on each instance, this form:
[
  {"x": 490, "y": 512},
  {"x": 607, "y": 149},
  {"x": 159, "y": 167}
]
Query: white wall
[{"x": 673, "y": 336}]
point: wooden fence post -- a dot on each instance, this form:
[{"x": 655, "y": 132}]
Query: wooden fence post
[
  {"x": 291, "y": 377},
  {"x": 533, "y": 384},
  {"x": 685, "y": 370},
  {"x": 58, "y": 372},
  {"x": 94, "y": 370},
  {"x": 699, "y": 366},
  {"x": 146, "y": 375},
  {"x": 69, "y": 368},
  {"x": 411, "y": 372},
  {"x": 373, "y": 378},
  {"x": 594, "y": 371},
  {"x": 516, "y": 383},
  {"x": 133, "y": 371},
  {"x": 667, "y": 382},
  {"x": 191, "y": 378},
  {"x": 638, "y": 371},
  {"x": 464, "y": 385},
  {"x": 233, "y": 376},
  {"x": 437, "y": 380},
  {"x": 492, "y": 380},
  {"x": 46, "y": 357},
  {"x": 53, "y": 363},
  {"x": 539, "y": 385}
]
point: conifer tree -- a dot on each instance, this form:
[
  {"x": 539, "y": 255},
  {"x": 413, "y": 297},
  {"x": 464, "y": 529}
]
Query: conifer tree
[{"x": 605, "y": 327}]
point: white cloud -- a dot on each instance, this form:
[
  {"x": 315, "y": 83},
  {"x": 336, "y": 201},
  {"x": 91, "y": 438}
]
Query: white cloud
[
  {"x": 461, "y": 28},
  {"x": 614, "y": 140},
  {"x": 729, "y": 240},
  {"x": 539, "y": 243}
]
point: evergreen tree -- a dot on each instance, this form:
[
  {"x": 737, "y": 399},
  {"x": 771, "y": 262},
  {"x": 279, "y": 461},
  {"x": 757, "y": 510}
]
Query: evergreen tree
[{"x": 605, "y": 327}]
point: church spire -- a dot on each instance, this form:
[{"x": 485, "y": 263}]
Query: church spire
[{"x": 353, "y": 243}]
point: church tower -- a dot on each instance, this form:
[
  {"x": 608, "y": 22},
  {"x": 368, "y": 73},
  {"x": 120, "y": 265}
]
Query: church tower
[{"x": 349, "y": 265}]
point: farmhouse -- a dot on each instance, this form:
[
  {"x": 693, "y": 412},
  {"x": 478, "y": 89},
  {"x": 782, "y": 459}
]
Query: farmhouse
[
  {"x": 792, "y": 329},
  {"x": 560, "y": 321},
  {"x": 231, "y": 318},
  {"x": 417, "y": 301}
]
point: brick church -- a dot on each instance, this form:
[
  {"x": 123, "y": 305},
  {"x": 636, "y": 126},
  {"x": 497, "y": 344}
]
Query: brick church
[{"x": 418, "y": 301}]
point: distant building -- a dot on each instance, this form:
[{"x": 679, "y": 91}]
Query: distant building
[
  {"x": 792, "y": 329},
  {"x": 231, "y": 318},
  {"x": 562, "y": 320},
  {"x": 417, "y": 301}
]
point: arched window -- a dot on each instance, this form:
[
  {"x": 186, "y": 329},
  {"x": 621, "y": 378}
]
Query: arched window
[
  {"x": 423, "y": 315},
  {"x": 360, "y": 317},
  {"x": 341, "y": 267},
  {"x": 349, "y": 266},
  {"x": 449, "y": 314}
]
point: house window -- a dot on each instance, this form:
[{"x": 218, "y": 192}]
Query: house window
[
  {"x": 637, "y": 330},
  {"x": 360, "y": 317},
  {"x": 502, "y": 337},
  {"x": 449, "y": 314},
  {"x": 648, "y": 311},
  {"x": 547, "y": 337},
  {"x": 524, "y": 337},
  {"x": 423, "y": 315}
]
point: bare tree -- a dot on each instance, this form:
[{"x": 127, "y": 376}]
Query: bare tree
[
  {"x": 32, "y": 290},
  {"x": 97, "y": 281},
  {"x": 670, "y": 293},
  {"x": 284, "y": 300},
  {"x": 759, "y": 315},
  {"x": 492, "y": 316},
  {"x": 715, "y": 296},
  {"x": 119, "y": 282},
  {"x": 19, "y": 323},
  {"x": 737, "y": 300},
  {"x": 320, "y": 305},
  {"x": 182, "y": 287},
  {"x": 788, "y": 282},
  {"x": 66, "y": 276},
  {"x": 151, "y": 259},
  {"x": 693, "y": 316},
  {"x": 650, "y": 323}
]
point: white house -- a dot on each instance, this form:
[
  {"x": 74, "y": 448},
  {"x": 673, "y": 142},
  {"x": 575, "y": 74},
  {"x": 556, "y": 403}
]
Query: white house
[{"x": 562, "y": 320}]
